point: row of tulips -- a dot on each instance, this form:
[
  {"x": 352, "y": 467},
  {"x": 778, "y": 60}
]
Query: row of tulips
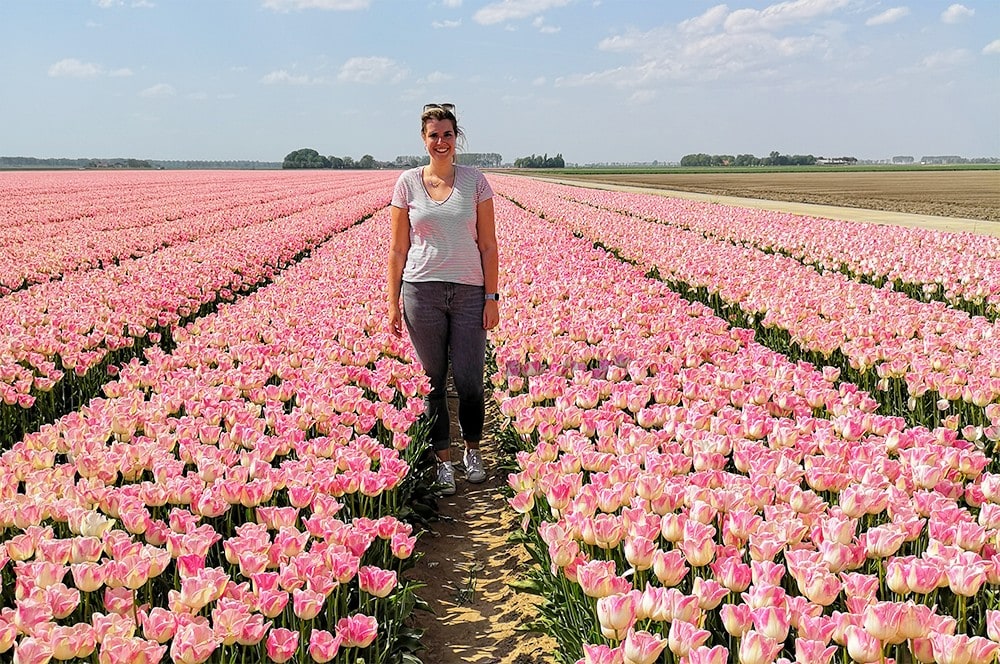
[
  {"x": 685, "y": 504},
  {"x": 149, "y": 212},
  {"x": 237, "y": 499},
  {"x": 57, "y": 339},
  {"x": 925, "y": 361},
  {"x": 962, "y": 269}
]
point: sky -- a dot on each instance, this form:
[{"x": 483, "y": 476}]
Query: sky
[{"x": 613, "y": 81}]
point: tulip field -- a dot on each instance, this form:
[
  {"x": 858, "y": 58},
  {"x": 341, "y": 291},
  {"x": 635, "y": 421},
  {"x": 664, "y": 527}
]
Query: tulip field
[{"x": 732, "y": 435}]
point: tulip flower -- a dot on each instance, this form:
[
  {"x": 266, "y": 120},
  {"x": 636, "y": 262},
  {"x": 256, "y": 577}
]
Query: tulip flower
[
  {"x": 323, "y": 646},
  {"x": 861, "y": 646},
  {"x": 193, "y": 643},
  {"x": 357, "y": 631},
  {"x": 641, "y": 647},
  {"x": 282, "y": 644},
  {"x": 617, "y": 614},
  {"x": 602, "y": 654},
  {"x": 684, "y": 637},
  {"x": 755, "y": 648}
]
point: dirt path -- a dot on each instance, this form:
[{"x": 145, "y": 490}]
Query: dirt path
[{"x": 467, "y": 565}]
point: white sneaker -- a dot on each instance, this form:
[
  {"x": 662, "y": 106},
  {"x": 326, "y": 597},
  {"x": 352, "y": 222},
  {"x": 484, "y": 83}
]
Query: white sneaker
[
  {"x": 446, "y": 478},
  {"x": 474, "y": 466}
]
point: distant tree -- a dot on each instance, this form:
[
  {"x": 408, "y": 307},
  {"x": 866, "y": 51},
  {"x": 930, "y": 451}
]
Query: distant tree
[
  {"x": 336, "y": 162},
  {"x": 305, "y": 158},
  {"x": 367, "y": 161},
  {"x": 544, "y": 161}
]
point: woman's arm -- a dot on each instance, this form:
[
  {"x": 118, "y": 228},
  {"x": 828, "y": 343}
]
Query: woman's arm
[
  {"x": 399, "y": 246},
  {"x": 486, "y": 238}
]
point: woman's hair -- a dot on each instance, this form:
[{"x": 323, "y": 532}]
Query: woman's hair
[{"x": 438, "y": 113}]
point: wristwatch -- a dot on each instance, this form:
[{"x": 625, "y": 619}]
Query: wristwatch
[{"x": 493, "y": 296}]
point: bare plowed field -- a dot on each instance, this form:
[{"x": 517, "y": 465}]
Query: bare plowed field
[{"x": 957, "y": 194}]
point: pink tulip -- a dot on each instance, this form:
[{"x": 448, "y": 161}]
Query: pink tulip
[
  {"x": 159, "y": 625},
  {"x": 642, "y": 647},
  {"x": 736, "y": 618},
  {"x": 617, "y": 614},
  {"x": 282, "y": 644},
  {"x": 602, "y": 654},
  {"x": 32, "y": 651},
  {"x": 272, "y": 602},
  {"x": 669, "y": 566},
  {"x": 357, "y": 631},
  {"x": 376, "y": 581},
  {"x": 307, "y": 604},
  {"x": 193, "y": 643},
  {"x": 323, "y": 646},
  {"x": 732, "y": 573},
  {"x": 882, "y": 621},
  {"x": 771, "y": 621},
  {"x": 813, "y": 652},
  {"x": 253, "y": 630},
  {"x": 862, "y": 646},
  {"x": 755, "y": 648},
  {"x": 683, "y": 637},
  {"x": 962, "y": 649},
  {"x": 706, "y": 655}
]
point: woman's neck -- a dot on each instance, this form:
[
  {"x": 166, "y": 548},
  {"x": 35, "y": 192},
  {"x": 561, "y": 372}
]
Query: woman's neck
[{"x": 441, "y": 168}]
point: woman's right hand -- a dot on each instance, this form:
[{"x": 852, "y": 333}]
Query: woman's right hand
[{"x": 395, "y": 320}]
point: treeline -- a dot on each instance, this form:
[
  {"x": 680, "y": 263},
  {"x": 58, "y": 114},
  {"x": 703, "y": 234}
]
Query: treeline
[
  {"x": 774, "y": 159},
  {"x": 310, "y": 158},
  {"x": 55, "y": 163},
  {"x": 545, "y": 161},
  {"x": 171, "y": 164}
]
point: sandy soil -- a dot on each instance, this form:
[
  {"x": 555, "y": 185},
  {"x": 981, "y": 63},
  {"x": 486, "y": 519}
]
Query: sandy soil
[
  {"x": 467, "y": 564},
  {"x": 468, "y": 560}
]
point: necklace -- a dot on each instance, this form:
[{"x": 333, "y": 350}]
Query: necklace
[{"x": 433, "y": 181}]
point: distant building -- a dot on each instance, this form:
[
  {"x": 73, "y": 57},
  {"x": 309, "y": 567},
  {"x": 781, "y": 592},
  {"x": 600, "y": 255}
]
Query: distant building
[{"x": 902, "y": 160}]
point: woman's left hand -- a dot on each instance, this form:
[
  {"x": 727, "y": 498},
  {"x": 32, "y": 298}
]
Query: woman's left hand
[{"x": 491, "y": 314}]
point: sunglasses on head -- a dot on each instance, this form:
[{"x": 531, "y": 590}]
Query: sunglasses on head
[{"x": 446, "y": 107}]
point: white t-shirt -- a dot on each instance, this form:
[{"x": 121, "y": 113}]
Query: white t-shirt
[{"x": 443, "y": 234}]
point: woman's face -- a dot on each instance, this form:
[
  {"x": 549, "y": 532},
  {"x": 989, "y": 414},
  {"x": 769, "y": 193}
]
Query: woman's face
[{"x": 439, "y": 139}]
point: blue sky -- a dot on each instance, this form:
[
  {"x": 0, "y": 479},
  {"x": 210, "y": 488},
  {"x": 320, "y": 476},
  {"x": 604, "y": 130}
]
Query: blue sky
[{"x": 597, "y": 81}]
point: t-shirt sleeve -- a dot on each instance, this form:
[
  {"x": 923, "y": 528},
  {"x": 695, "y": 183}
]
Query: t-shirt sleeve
[
  {"x": 483, "y": 189},
  {"x": 401, "y": 193}
]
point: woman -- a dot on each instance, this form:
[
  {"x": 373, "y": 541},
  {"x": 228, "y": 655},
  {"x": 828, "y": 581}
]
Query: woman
[{"x": 443, "y": 264}]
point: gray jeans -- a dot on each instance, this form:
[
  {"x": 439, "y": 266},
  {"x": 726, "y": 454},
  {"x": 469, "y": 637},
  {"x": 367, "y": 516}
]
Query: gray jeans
[{"x": 445, "y": 321}]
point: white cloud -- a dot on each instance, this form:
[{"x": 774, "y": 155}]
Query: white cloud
[
  {"x": 436, "y": 77},
  {"x": 158, "y": 91},
  {"x": 707, "y": 22},
  {"x": 993, "y": 48},
  {"x": 446, "y": 24},
  {"x": 283, "y": 77},
  {"x": 511, "y": 10},
  {"x": 73, "y": 68},
  {"x": 780, "y": 15},
  {"x": 889, "y": 16},
  {"x": 120, "y": 73},
  {"x": 538, "y": 82},
  {"x": 371, "y": 70},
  {"x": 956, "y": 13},
  {"x": 336, "y": 5},
  {"x": 946, "y": 59},
  {"x": 642, "y": 96},
  {"x": 108, "y": 4},
  {"x": 539, "y": 24},
  {"x": 452, "y": 3}
]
